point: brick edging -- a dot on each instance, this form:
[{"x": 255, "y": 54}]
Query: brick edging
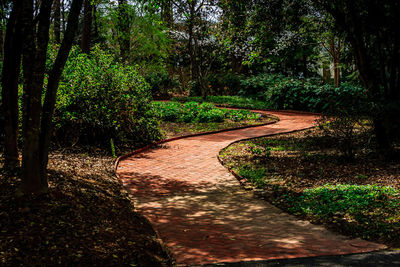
[{"x": 137, "y": 151}]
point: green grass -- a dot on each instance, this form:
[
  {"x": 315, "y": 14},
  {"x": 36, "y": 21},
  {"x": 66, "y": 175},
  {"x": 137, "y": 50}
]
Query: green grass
[
  {"x": 373, "y": 210},
  {"x": 255, "y": 176},
  {"x": 229, "y": 101}
]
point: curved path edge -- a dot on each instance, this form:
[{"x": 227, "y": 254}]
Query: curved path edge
[
  {"x": 202, "y": 213},
  {"x": 163, "y": 141}
]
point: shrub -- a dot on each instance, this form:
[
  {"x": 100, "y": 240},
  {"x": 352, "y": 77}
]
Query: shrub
[
  {"x": 161, "y": 84},
  {"x": 194, "y": 112},
  {"x": 100, "y": 99},
  {"x": 219, "y": 84},
  {"x": 356, "y": 201},
  {"x": 258, "y": 84}
]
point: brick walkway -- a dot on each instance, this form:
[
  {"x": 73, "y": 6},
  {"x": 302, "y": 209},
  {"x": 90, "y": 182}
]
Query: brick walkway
[{"x": 204, "y": 216}]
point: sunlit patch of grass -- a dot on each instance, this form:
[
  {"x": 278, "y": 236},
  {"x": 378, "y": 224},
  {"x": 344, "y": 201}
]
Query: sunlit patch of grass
[
  {"x": 255, "y": 176},
  {"x": 375, "y": 210}
]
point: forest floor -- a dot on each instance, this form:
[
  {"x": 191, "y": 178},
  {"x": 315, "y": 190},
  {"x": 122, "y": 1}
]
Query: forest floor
[
  {"x": 86, "y": 219},
  {"x": 304, "y": 173}
]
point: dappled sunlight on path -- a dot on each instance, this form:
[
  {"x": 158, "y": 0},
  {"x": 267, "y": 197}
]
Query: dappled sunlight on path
[{"x": 204, "y": 216}]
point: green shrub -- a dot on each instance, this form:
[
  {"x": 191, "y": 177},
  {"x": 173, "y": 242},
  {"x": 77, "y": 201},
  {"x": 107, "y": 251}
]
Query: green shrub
[
  {"x": 258, "y": 84},
  {"x": 161, "y": 84},
  {"x": 100, "y": 99},
  {"x": 195, "y": 112}
]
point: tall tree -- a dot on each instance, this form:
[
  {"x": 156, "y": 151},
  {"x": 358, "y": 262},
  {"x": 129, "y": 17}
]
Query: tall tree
[
  {"x": 34, "y": 20},
  {"x": 57, "y": 21},
  {"x": 123, "y": 28},
  {"x": 11, "y": 70},
  {"x": 52, "y": 85},
  {"x": 166, "y": 12},
  {"x": 371, "y": 27},
  {"x": 87, "y": 26}
]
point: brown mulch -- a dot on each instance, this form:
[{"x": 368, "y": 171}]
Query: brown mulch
[
  {"x": 86, "y": 219},
  {"x": 291, "y": 163},
  {"x": 312, "y": 160}
]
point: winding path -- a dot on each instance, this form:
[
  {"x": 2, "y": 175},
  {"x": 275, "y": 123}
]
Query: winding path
[{"x": 204, "y": 216}]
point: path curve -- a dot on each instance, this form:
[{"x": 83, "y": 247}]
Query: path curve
[{"x": 204, "y": 216}]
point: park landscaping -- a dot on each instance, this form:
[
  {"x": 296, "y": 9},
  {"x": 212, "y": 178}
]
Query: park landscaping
[
  {"x": 305, "y": 174},
  {"x": 79, "y": 80},
  {"x": 177, "y": 119}
]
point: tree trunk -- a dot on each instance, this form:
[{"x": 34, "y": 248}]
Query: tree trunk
[
  {"x": 52, "y": 86},
  {"x": 1, "y": 41},
  {"x": 236, "y": 64},
  {"x": 336, "y": 72},
  {"x": 95, "y": 25},
  {"x": 191, "y": 48},
  {"x": 87, "y": 26},
  {"x": 34, "y": 62},
  {"x": 167, "y": 14},
  {"x": 10, "y": 74},
  {"x": 326, "y": 74},
  {"x": 57, "y": 21},
  {"x": 63, "y": 15},
  {"x": 123, "y": 29}
]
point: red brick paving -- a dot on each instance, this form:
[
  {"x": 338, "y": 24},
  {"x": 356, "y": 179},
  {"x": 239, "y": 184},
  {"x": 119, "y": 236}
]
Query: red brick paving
[{"x": 204, "y": 216}]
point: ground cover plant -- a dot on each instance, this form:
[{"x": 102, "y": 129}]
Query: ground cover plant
[
  {"x": 86, "y": 219},
  {"x": 305, "y": 174},
  {"x": 179, "y": 119}
]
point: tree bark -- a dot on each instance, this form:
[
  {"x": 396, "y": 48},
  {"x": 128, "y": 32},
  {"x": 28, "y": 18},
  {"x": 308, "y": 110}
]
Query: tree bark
[
  {"x": 191, "y": 48},
  {"x": 57, "y": 21},
  {"x": 87, "y": 26},
  {"x": 10, "y": 74},
  {"x": 34, "y": 61},
  {"x": 95, "y": 25},
  {"x": 123, "y": 29},
  {"x": 167, "y": 14},
  {"x": 1, "y": 41},
  {"x": 53, "y": 82}
]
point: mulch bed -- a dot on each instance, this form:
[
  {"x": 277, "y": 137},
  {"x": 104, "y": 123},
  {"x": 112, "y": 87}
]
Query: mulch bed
[
  {"x": 308, "y": 159},
  {"x": 86, "y": 219}
]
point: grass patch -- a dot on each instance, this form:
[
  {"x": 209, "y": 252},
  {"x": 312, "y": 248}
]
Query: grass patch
[
  {"x": 372, "y": 210},
  {"x": 255, "y": 176}
]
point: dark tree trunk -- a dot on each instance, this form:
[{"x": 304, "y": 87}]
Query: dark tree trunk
[
  {"x": 10, "y": 74},
  {"x": 95, "y": 25},
  {"x": 1, "y": 41},
  {"x": 87, "y": 27},
  {"x": 63, "y": 15},
  {"x": 191, "y": 48},
  {"x": 167, "y": 14},
  {"x": 52, "y": 86},
  {"x": 57, "y": 21},
  {"x": 34, "y": 61},
  {"x": 236, "y": 64},
  {"x": 123, "y": 29}
]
